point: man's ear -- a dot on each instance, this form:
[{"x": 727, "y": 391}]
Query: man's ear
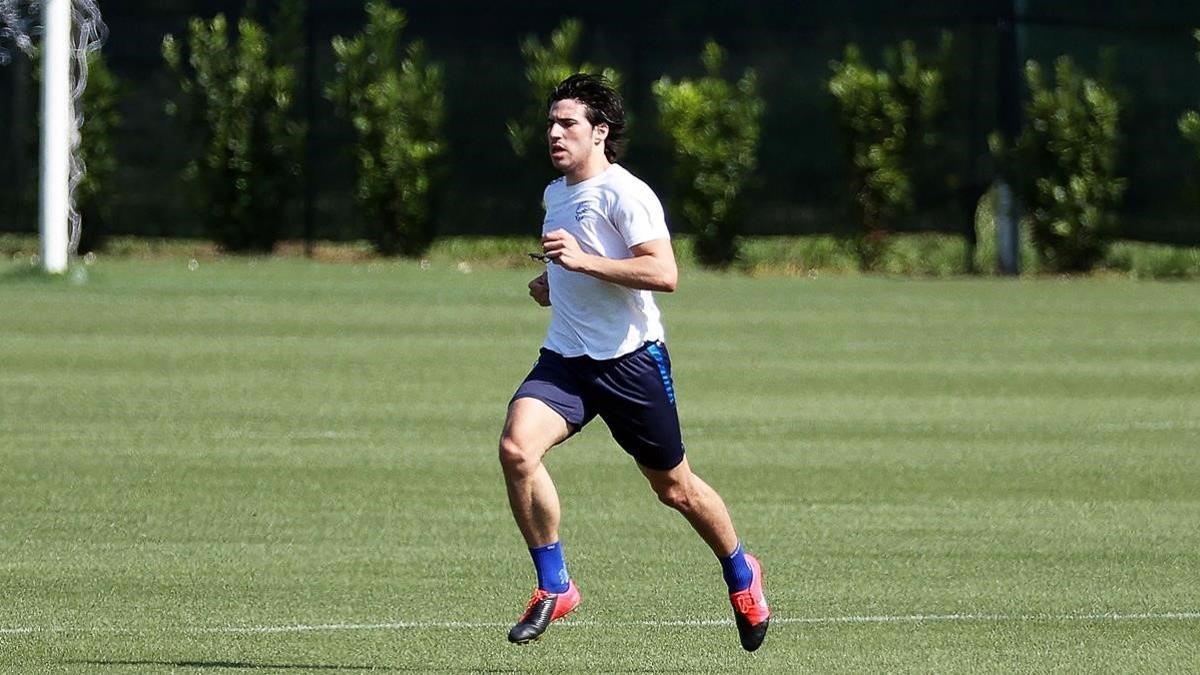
[{"x": 600, "y": 132}]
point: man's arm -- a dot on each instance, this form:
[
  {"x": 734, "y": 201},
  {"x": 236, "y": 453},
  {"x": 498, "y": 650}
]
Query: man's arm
[{"x": 652, "y": 267}]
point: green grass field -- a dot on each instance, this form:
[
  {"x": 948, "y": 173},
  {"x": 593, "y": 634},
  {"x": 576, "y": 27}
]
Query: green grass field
[{"x": 283, "y": 465}]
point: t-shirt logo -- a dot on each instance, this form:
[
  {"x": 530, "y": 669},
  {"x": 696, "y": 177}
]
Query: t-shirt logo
[{"x": 580, "y": 211}]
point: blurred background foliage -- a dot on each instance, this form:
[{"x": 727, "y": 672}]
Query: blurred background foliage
[
  {"x": 803, "y": 171},
  {"x": 714, "y": 127},
  {"x": 396, "y": 108},
  {"x": 889, "y": 119},
  {"x": 236, "y": 101}
]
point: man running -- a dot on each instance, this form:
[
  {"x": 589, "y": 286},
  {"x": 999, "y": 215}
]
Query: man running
[{"x": 607, "y": 248}]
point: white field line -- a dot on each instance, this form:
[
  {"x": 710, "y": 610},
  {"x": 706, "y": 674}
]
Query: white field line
[{"x": 476, "y": 625}]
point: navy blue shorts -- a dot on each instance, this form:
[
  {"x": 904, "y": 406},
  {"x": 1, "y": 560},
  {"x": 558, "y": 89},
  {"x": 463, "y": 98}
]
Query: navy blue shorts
[{"x": 633, "y": 394}]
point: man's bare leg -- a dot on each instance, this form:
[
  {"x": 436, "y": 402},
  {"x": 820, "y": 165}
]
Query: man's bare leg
[
  {"x": 530, "y": 430},
  {"x": 685, "y": 492}
]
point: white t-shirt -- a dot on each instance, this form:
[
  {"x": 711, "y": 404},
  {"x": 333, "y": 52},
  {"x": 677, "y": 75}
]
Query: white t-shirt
[{"x": 607, "y": 214}]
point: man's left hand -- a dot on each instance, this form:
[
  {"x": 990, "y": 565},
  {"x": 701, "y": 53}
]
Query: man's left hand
[{"x": 562, "y": 247}]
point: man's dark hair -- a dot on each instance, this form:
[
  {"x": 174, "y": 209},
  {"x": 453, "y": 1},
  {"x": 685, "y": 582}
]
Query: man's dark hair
[{"x": 603, "y": 105}]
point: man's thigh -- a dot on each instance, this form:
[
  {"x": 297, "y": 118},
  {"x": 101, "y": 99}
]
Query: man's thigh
[
  {"x": 636, "y": 399},
  {"x": 535, "y": 426},
  {"x": 549, "y": 400}
]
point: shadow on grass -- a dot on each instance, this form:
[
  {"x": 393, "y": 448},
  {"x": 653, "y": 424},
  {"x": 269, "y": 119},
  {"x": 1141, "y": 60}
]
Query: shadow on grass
[
  {"x": 236, "y": 665},
  {"x": 250, "y": 665},
  {"x": 76, "y": 275}
]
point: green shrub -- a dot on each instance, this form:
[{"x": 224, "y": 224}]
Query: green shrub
[
  {"x": 1066, "y": 161},
  {"x": 397, "y": 108},
  {"x": 18, "y": 246},
  {"x": 714, "y": 127},
  {"x": 888, "y": 118},
  {"x": 94, "y": 195},
  {"x": 1189, "y": 126},
  {"x": 927, "y": 254},
  {"x": 1153, "y": 261},
  {"x": 236, "y": 100},
  {"x": 795, "y": 255},
  {"x": 985, "y": 254},
  {"x": 545, "y": 67}
]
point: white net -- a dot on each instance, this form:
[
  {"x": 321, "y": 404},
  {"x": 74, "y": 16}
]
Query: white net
[
  {"x": 20, "y": 28},
  {"x": 16, "y": 28}
]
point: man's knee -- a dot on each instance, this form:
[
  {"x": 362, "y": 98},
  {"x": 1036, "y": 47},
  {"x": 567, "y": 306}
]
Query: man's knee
[
  {"x": 675, "y": 495},
  {"x": 530, "y": 430},
  {"x": 517, "y": 457}
]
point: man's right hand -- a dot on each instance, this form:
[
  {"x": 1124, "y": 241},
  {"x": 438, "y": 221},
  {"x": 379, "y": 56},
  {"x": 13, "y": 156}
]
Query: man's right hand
[{"x": 539, "y": 290}]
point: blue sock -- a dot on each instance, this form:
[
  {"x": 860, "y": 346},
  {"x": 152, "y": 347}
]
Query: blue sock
[
  {"x": 736, "y": 570},
  {"x": 551, "y": 567}
]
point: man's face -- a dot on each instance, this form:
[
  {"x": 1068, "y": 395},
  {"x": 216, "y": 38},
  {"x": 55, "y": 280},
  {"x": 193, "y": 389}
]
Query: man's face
[{"x": 573, "y": 140}]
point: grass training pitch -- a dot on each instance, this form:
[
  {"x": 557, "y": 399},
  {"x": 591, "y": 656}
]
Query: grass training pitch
[{"x": 257, "y": 465}]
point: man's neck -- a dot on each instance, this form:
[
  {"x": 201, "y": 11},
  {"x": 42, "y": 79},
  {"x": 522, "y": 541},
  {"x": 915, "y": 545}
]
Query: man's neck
[{"x": 591, "y": 170}]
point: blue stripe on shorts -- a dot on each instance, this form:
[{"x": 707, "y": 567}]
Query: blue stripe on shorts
[{"x": 656, "y": 352}]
